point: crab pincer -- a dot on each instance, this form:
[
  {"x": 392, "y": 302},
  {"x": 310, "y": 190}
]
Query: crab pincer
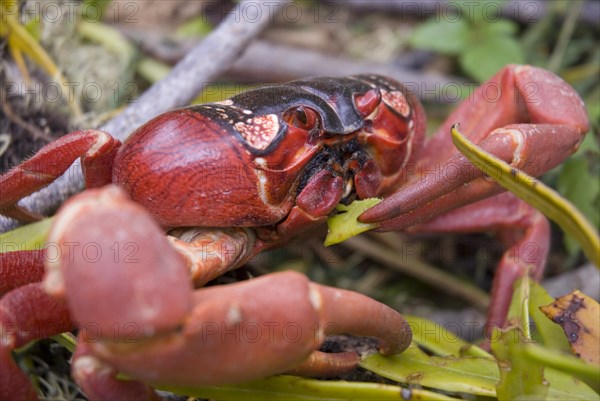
[{"x": 131, "y": 295}]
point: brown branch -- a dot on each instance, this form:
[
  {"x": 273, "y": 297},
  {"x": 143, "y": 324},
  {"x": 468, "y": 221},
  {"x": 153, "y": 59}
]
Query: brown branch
[
  {"x": 269, "y": 62},
  {"x": 9, "y": 113},
  {"x": 527, "y": 12},
  {"x": 203, "y": 64},
  {"x": 286, "y": 63}
]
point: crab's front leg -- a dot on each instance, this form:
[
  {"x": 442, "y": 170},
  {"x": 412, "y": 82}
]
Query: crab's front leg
[
  {"x": 97, "y": 150},
  {"x": 139, "y": 314},
  {"x": 27, "y": 313},
  {"x": 524, "y": 115}
]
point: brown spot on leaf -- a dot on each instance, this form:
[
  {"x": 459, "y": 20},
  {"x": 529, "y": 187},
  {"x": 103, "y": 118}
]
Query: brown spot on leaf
[
  {"x": 578, "y": 315},
  {"x": 415, "y": 378}
]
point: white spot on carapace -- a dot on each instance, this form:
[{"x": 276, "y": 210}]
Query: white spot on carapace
[
  {"x": 248, "y": 112},
  {"x": 261, "y": 161},
  {"x": 263, "y": 182},
  {"x": 260, "y": 131},
  {"x": 397, "y": 101},
  {"x": 226, "y": 102}
]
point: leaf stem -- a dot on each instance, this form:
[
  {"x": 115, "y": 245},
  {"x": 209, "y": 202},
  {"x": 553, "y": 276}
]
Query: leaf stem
[{"x": 565, "y": 36}]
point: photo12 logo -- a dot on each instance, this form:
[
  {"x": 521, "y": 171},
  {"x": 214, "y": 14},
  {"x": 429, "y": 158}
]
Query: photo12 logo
[
  {"x": 254, "y": 11},
  {"x": 71, "y": 10}
]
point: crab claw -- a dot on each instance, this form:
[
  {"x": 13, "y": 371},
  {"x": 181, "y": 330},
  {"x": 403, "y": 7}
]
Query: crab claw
[
  {"x": 526, "y": 116},
  {"x": 139, "y": 315}
]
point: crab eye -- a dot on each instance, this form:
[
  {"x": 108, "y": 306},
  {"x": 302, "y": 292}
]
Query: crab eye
[
  {"x": 301, "y": 117},
  {"x": 367, "y": 103}
]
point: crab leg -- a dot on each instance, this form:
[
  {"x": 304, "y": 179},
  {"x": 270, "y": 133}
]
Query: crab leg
[
  {"x": 522, "y": 229},
  {"x": 99, "y": 379},
  {"x": 19, "y": 268},
  {"x": 152, "y": 326},
  {"x": 26, "y": 314},
  {"x": 524, "y": 115},
  {"x": 96, "y": 148},
  {"x": 210, "y": 252}
]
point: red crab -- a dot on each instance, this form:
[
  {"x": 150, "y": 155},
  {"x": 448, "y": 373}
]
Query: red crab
[{"x": 228, "y": 180}]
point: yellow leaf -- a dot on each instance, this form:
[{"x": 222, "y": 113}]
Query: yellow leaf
[
  {"x": 345, "y": 224},
  {"x": 579, "y": 316}
]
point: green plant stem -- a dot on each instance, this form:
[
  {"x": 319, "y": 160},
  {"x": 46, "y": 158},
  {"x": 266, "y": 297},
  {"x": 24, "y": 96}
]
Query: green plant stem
[
  {"x": 108, "y": 37},
  {"x": 565, "y": 36},
  {"x": 536, "y": 193}
]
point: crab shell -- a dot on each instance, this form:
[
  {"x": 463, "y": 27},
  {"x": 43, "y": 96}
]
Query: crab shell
[{"x": 245, "y": 161}]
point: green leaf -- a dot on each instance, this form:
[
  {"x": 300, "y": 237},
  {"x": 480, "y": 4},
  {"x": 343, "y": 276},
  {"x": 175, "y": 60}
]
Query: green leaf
[
  {"x": 565, "y": 387},
  {"x": 522, "y": 365},
  {"x": 152, "y": 70},
  {"x": 345, "y": 225},
  {"x": 587, "y": 372},
  {"x": 550, "y": 334},
  {"x": 444, "y": 36},
  {"x": 520, "y": 377},
  {"x": 33, "y": 26},
  {"x": 109, "y": 37},
  {"x": 465, "y": 375},
  {"x": 535, "y": 193},
  {"x": 25, "y": 238},
  {"x": 20, "y": 42},
  {"x": 592, "y": 102},
  {"x": 501, "y": 27},
  {"x": 483, "y": 59},
  {"x": 470, "y": 375},
  {"x": 479, "y": 12},
  {"x": 290, "y": 388},
  {"x": 436, "y": 339},
  {"x": 518, "y": 311},
  {"x": 194, "y": 28},
  {"x": 94, "y": 10},
  {"x": 67, "y": 340},
  {"x": 578, "y": 185}
]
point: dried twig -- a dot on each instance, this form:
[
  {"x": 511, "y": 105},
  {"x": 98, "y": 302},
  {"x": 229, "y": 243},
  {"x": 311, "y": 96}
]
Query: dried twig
[
  {"x": 269, "y": 62},
  {"x": 206, "y": 61},
  {"x": 530, "y": 11},
  {"x": 287, "y": 63},
  {"x": 13, "y": 117}
]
